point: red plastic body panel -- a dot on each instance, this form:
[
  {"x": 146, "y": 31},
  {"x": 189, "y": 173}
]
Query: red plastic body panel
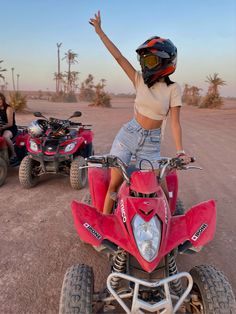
[
  {"x": 144, "y": 182},
  {"x": 98, "y": 184},
  {"x": 175, "y": 230},
  {"x": 173, "y": 186},
  {"x": 196, "y": 226},
  {"x": 21, "y": 138},
  {"x": 3, "y": 143},
  {"x": 87, "y": 135}
]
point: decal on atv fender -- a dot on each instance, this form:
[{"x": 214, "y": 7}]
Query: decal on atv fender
[
  {"x": 199, "y": 232},
  {"x": 123, "y": 214},
  {"x": 91, "y": 230}
]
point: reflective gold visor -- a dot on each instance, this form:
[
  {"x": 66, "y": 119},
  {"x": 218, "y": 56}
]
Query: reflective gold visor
[{"x": 149, "y": 61}]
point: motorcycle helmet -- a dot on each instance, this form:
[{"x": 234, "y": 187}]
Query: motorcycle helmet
[
  {"x": 37, "y": 127},
  {"x": 157, "y": 57}
]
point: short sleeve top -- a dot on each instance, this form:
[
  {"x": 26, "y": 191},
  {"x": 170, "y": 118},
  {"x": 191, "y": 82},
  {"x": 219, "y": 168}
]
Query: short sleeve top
[{"x": 155, "y": 102}]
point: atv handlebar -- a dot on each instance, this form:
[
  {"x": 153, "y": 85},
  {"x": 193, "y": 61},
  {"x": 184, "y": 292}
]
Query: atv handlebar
[{"x": 166, "y": 164}]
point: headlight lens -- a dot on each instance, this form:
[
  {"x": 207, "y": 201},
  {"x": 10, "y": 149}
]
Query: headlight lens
[
  {"x": 147, "y": 236},
  {"x": 33, "y": 146},
  {"x": 70, "y": 147}
]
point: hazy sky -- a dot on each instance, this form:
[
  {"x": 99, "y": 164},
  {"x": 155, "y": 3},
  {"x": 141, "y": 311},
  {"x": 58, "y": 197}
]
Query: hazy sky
[{"x": 204, "y": 32}]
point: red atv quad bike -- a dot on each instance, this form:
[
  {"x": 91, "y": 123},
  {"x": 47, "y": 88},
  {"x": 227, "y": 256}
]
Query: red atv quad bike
[
  {"x": 56, "y": 146},
  {"x": 142, "y": 239},
  {"x": 19, "y": 142}
]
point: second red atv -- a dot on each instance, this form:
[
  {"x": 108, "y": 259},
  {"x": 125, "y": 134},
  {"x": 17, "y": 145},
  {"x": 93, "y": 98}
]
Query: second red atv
[{"x": 56, "y": 146}]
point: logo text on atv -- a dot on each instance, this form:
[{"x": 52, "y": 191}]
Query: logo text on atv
[
  {"x": 199, "y": 232},
  {"x": 91, "y": 230},
  {"x": 123, "y": 214}
]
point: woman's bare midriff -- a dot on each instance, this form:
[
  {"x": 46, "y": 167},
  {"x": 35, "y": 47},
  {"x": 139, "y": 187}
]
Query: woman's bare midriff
[{"x": 147, "y": 123}]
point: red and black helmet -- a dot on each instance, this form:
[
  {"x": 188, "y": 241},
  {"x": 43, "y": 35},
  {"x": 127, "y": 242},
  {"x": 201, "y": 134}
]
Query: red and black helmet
[{"x": 158, "y": 57}]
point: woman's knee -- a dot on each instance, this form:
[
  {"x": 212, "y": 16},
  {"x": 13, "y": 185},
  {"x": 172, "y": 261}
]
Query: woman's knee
[{"x": 7, "y": 135}]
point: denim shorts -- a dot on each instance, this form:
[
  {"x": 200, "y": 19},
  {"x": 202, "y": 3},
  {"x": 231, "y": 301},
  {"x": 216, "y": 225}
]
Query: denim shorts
[{"x": 133, "y": 141}]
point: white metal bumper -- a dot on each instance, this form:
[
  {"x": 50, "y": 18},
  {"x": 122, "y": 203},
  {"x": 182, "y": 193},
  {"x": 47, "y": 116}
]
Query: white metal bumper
[{"x": 165, "y": 306}]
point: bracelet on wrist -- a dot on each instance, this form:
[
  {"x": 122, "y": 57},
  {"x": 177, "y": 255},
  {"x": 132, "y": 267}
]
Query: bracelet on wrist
[{"x": 180, "y": 153}]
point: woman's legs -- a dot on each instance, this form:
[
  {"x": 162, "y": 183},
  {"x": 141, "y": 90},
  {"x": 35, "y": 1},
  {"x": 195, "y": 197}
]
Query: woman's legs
[
  {"x": 8, "y": 135},
  {"x": 115, "y": 182}
]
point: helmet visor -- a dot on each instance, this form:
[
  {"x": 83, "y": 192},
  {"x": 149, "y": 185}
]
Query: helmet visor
[{"x": 149, "y": 61}]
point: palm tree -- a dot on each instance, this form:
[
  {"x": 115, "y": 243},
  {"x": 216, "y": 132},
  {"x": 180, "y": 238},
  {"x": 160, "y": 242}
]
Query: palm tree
[
  {"x": 17, "y": 82},
  {"x": 2, "y": 70},
  {"x": 13, "y": 80},
  {"x": 58, "y": 77},
  {"x": 71, "y": 58},
  {"x": 74, "y": 80},
  {"x": 215, "y": 81}
]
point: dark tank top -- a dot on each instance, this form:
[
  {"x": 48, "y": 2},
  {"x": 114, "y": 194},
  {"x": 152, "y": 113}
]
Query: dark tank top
[{"x": 3, "y": 118}]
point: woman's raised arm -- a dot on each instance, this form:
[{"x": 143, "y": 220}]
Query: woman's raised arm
[{"x": 115, "y": 52}]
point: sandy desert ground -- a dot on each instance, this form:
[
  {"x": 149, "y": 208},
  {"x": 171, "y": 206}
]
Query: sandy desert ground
[{"x": 38, "y": 241}]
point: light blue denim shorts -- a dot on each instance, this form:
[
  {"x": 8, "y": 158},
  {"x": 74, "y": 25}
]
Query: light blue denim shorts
[{"x": 133, "y": 141}]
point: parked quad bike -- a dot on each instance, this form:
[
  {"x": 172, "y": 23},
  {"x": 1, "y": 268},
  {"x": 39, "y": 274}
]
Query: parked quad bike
[
  {"x": 60, "y": 149},
  {"x": 142, "y": 239},
  {"x": 19, "y": 142}
]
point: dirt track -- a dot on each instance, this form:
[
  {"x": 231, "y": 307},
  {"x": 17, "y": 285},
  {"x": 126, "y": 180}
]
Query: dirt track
[{"x": 38, "y": 241}]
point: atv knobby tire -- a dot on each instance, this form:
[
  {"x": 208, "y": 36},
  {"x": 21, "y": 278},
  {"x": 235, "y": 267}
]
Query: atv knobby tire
[
  {"x": 77, "y": 291},
  {"x": 3, "y": 170},
  {"x": 26, "y": 174},
  {"x": 179, "y": 209},
  {"x": 78, "y": 177},
  {"x": 213, "y": 290}
]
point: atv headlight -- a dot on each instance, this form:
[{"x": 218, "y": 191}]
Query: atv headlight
[
  {"x": 33, "y": 146},
  {"x": 70, "y": 147},
  {"x": 147, "y": 236}
]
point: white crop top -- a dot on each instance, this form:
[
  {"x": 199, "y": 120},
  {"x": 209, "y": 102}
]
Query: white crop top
[{"x": 155, "y": 102}]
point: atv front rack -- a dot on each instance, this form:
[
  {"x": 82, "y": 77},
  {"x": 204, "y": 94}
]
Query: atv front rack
[{"x": 164, "y": 306}]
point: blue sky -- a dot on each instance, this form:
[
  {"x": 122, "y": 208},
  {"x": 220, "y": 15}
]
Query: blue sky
[{"x": 204, "y": 32}]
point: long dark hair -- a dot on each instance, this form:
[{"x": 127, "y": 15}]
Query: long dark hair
[{"x": 5, "y": 104}]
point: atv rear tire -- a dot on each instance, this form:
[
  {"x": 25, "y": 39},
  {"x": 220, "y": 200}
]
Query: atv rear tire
[
  {"x": 77, "y": 290},
  {"x": 26, "y": 175},
  {"x": 3, "y": 170},
  {"x": 78, "y": 177},
  {"x": 213, "y": 290}
]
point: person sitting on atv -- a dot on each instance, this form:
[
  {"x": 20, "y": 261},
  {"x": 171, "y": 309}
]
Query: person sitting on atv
[
  {"x": 156, "y": 96},
  {"x": 8, "y": 128}
]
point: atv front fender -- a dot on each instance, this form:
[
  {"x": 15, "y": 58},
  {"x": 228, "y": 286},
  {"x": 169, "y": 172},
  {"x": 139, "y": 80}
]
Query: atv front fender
[
  {"x": 197, "y": 226},
  {"x": 93, "y": 227}
]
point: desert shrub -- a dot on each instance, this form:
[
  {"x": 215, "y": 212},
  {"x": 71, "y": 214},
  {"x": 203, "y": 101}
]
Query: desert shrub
[
  {"x": 64, "y": 97},
  {"x": 17, "y": 101},
  {"x": 212, "y": 98},
  {"x": 70, "y": 97},
  {"x": 101, "y": 98},
  {"x": 211, "y": 101},
  {"x": 86, "y": 93},
  {"x": 193, "y": 100},
  {"x": 191, "y": 95}
]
